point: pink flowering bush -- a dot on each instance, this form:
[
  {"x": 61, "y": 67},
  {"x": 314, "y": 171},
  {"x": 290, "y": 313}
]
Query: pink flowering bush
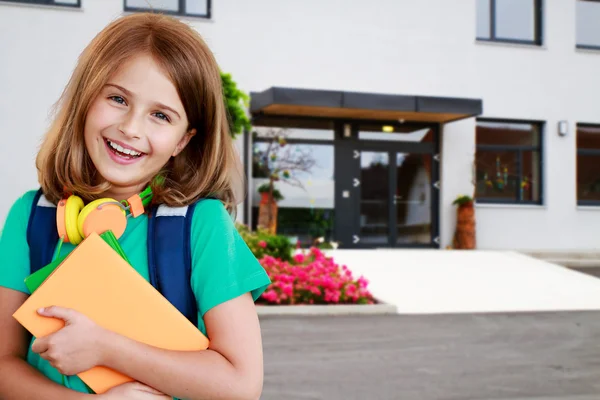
[{"x": 312, "y": 278}]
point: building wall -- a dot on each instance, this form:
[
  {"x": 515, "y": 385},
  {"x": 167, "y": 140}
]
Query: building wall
[
  {"x": 551, "y": 83},
  {"x": 395, "y": 46}
]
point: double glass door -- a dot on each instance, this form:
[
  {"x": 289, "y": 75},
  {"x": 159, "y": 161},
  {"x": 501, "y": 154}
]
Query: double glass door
[
  {"x": 387, "y": 188},
  {"x": 396, "y": 198}
]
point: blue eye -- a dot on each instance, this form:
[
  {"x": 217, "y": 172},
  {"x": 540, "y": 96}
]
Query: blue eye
[
  {"x": 162, "y": 116},
  {"x": 117, "y": 99}
]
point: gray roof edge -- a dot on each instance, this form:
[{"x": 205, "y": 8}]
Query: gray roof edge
[
  {"x": 449, "y": 105},
  {"x": 364, "y": 100},
  {"x": 262, "y": 99}
]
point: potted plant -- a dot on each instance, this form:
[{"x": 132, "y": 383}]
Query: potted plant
[
  {"x": 269, "y": 194},
  {"x": 267, "y": 209},
  {"x": 464, "y": 235}
]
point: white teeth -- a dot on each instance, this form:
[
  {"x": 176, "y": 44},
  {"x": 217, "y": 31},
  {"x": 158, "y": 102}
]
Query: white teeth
[{"x": 123, "y": 150}]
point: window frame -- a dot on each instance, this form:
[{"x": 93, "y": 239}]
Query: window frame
[
  {"x": 250, "y": 174},
  {"x": 538, "y": 26},
  {"x": 585, "y": 152},
  {"x": 585, "y": 46},
  {"x": 518, "y": 150},
  {"x": 180, "y": 12},
  {"x": 52, "y": 3}
]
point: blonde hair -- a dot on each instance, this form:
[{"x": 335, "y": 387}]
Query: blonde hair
[{"x": 206, "y": 167}]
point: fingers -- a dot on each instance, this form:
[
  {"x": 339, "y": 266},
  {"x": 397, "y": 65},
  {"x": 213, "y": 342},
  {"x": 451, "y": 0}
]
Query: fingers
[
  {"x": 66, "y": 314},
  {"x": 40, "y": 345},
  {"x": 143, "y": 388},
  {"x": 130, "y": 388},
  {"x": 135, "y": 385}
]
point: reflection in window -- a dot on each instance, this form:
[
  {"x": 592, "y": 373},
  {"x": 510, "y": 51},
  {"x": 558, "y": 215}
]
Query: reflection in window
[
  {"x": 299, "y": 134},
  {"x": 588, "y": 164},
  {"x": 483, "y": 19},
  {"x": 68, "y": 3},
  {"x": 509, "y": 20},
  {"x": 306, "y": 212},
  {"x": 588, "y": 24},
  {"x": 413, "y": 198},
  {"x": 374, "y": 194},
  {"x": 508, "y": 162},
  {"x": 395, "y": 133}
]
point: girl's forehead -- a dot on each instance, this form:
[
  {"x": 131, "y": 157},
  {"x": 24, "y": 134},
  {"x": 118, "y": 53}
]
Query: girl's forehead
[{"x": 143, "y": 78}]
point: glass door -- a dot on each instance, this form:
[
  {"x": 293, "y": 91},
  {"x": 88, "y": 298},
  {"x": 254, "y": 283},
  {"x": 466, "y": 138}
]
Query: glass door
[
  {"x": 374, "y": 198},
  {"x": 387, "y": 191},
  {"x": 412, "y": 201}
]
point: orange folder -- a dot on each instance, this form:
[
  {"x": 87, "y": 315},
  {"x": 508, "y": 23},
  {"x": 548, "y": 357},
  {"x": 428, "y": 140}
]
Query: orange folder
[{"x": 100, "y": 284}]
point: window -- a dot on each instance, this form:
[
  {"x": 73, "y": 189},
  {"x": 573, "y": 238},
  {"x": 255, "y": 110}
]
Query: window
[
  {"x": 513, "y": 21},
  {"x": 395, "y": 133},
  {"x": 67, "y": 3},
  {"x": 301, "y": 155},
  {"x": 193, "y": 8},
  {"x": 588, "y": 164},
  {"x": 508, "y": 162},
  {"x": 588, "y": 28}
]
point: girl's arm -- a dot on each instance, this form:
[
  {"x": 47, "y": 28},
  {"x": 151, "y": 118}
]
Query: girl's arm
[
  {"x": 232, "y": 368},
  {"x": 18, "y": 379}
]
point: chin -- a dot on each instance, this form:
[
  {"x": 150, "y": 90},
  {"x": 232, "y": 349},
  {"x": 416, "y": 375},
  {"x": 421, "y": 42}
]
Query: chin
[{"x": 123, "y": 179}]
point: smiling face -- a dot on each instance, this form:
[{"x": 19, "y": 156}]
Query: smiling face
[{"x": 135, "y": 125}]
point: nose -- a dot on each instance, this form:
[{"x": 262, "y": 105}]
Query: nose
[{"x": 131, "y": 125}]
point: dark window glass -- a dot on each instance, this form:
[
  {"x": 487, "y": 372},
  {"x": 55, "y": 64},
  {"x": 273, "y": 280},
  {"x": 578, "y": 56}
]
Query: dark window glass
[
  {"x": 508, "y": 162},
  {"x": 588, "y": 165}
]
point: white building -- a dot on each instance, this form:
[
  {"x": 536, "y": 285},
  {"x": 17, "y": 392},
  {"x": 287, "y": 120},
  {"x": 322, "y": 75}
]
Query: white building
[{"x": 395, "y": 100}]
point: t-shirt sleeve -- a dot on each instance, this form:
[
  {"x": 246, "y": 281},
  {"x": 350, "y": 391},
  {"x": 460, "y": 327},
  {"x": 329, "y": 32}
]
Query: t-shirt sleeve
[
  {"x": 223, "y": 267},
  {"x": 14, "y": 249}
]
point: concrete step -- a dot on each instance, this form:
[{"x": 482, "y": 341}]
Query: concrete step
[
  {"x": 576, "y": 263},
  {"x": 564, "y": 255},
  {"x": 576, "y": 259}
]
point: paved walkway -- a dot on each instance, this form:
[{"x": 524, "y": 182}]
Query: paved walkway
[
  {"x": 540, "y": 356},
  {"x": 446, "y": 281}
]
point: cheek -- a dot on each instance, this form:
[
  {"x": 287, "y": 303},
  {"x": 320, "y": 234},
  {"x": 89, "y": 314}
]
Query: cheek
[
  {"x": 99, "y": 116},
  {"x": 164, "y": 142}
]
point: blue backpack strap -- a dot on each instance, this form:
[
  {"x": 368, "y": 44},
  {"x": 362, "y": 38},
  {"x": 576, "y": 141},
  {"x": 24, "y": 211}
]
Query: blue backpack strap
[
  {"x": 170, "y": 258},
  {"x": 42, "y": 235}
]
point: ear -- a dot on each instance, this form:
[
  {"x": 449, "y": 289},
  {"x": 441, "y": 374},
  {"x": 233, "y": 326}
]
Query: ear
[{"x": 183, "y": 142}]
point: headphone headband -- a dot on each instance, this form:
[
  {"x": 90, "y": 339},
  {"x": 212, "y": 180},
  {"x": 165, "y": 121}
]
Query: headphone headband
[{"x": 76, "y": 221}]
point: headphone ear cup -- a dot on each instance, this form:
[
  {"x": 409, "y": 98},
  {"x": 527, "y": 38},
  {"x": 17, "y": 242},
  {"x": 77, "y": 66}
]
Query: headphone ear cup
[
  {"x": 72, "y": 208},
  {"x": 99, "y": 220},
  {"x": 60, "y": 220}
]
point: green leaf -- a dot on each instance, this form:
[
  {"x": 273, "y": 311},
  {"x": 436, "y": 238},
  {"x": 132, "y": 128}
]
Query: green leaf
[{"x": 236, "y": 103}]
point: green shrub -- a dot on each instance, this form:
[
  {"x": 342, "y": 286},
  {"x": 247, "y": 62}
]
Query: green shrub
[{"x": 262, "y": 243}]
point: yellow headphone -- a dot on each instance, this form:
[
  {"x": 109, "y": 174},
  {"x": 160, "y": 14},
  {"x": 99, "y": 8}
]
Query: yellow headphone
[{"x": 75, "y": 221}]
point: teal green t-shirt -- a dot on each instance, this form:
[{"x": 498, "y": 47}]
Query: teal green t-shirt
[{"x": 223, "y": 267}]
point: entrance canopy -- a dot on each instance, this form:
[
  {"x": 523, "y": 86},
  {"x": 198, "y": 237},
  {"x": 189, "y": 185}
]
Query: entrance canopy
[{"x": 358, "y": 105}]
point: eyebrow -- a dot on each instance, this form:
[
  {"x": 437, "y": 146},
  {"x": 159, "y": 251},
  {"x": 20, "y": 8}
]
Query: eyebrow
[{"x": 128, "y": 93}]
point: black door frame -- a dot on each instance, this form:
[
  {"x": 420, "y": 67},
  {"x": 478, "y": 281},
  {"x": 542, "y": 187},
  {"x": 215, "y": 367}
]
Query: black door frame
[{"x": 347, "y": 189}]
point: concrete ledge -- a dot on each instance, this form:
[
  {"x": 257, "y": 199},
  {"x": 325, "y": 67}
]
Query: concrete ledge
[
  {"x": 576, "y": 263},
  {"x": 344, "y": 309}
]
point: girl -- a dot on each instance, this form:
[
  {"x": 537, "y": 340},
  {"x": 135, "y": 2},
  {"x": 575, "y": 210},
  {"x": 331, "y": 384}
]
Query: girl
[{"x": 144, "y": 101}]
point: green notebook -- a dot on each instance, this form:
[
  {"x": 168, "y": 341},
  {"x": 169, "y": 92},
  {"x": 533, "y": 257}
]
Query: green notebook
[{"x": 36, "y": 279}]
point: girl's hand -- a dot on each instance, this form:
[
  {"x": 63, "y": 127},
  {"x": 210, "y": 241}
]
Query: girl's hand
[
  {"x": 75, "y": 348},
  {"x": 133, "y": 391}
]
